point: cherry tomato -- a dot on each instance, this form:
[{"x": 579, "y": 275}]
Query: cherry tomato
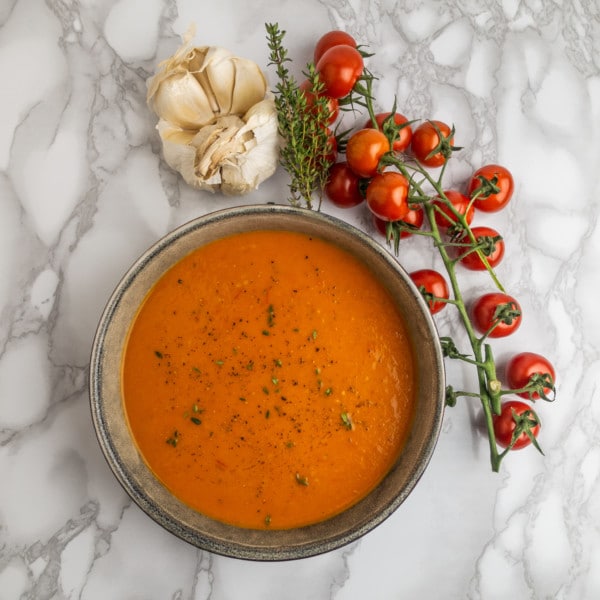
[
  {"x": 396, "y": 125},
  {"x": 387, "y": 196},
  {"x": 339, "y": 68},
  {"x": 499, "y": 310},
  {"x": 414, "y": 218},
  {"x": 515, "y": 413},
  {"x": 444, "y": 216},
  {"x": 333, "y": 107},
  {"x": 431, "y": 283},
  {"x": 489, "y": 200},
  {"x": 343, "y": 186},
  {"x": 492, "y": 250},
  {"x": 364, "y": 151},
  {"x": 331, "y": 39},
  {"x": 528, "y": 367},
  {"x": 428, "y": 147}
]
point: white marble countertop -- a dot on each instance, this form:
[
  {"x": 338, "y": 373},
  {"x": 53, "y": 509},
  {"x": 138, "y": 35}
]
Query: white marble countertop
[{"x": 83, "y": 191}]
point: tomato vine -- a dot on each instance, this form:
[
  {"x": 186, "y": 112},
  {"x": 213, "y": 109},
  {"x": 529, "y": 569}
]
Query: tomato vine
[{"x": 397, "y": 180}]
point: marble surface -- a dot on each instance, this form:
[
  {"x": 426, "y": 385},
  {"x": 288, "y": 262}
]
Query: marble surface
[{"x": 83, "y": 191}]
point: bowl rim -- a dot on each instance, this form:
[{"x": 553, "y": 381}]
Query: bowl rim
[{"x": 261, "y": 545}]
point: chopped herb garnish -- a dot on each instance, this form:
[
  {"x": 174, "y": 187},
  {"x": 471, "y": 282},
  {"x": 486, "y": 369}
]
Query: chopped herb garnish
[
  {"x": 278, "y": 362},
  {"x": 267, "y": 520},
  {"x": 270, "y": 316},
  {"x": 195, "y": 420},
  {"x": 301, "y": 479},
  {"x": 242, "y": 399},
  {"x": 328, "y": 391},
  {"x": 250, "y": 365},
  {"x": 220, "y": 363},
  {"x": 158, "y": 353},
  {"x": 267, "y": 414},
  {"x": 172, "y": 441},
  {"x": 265, "y": 389},
  {"x": 266, "y": 332},
  {"x": 314, "y": 334},
  {"x": 274, "y": 380},
  {"x": 346, "y": 420}
]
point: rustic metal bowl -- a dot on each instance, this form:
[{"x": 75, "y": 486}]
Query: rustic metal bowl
[{"x": 139, "y": 482}]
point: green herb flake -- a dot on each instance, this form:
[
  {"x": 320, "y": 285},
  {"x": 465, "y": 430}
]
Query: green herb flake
[
  {"x": 195, "y": 420},
  {"x": 347, "y": 421},
  {"x": 250, "y": 365},
  {"x": 328, "y": 391},
  {"x": 267, "y": 520},
  {"x": 267, "y": 414},
  {"x": 158, "y": 354},
  {"x": 219, "y": 363},
  {"x": 314, "y": 334},
  {"x": 270, "y": 316},
  {"x": 278, "y": 362},
  {"x": 174, "y": 439},
  {"x": 301, "y": 479},
  {"x": 266, "y": 332}
]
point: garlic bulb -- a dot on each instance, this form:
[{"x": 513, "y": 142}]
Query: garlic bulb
[{"x": 217, "y": 123}]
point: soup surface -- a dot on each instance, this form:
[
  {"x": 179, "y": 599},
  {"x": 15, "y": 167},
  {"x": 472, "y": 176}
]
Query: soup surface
[{"x": 268, "y": 380}]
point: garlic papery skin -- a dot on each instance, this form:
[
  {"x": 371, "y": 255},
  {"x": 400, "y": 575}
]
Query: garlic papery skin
[
  {"x": 199, "y": 84},
  {"x": 217, "y": 122},
  {"x": 232, "y": 155}
]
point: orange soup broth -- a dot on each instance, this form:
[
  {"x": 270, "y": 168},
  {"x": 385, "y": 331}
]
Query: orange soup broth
[{"x": 268, "y": 380}]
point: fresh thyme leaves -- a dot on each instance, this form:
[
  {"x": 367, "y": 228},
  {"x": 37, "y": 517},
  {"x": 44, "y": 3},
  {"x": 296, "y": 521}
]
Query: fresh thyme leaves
[{"x": 306, "y": 153}]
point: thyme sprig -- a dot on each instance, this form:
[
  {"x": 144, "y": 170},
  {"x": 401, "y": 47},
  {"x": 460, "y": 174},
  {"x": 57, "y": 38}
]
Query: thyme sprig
[{"x": 306, "y": 150}]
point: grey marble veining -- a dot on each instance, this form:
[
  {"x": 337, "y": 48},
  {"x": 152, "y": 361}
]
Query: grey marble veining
[{"x": 83, "y": 191}]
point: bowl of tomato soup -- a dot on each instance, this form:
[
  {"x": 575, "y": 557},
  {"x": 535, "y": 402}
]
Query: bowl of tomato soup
[{"x": 267, "y": 383}]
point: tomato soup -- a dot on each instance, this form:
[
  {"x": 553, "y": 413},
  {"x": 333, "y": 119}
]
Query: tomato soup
[{"x": 268, "y": 380}]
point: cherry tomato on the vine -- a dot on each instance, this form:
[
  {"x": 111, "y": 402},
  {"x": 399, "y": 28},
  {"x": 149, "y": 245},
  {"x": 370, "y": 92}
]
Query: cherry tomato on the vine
[
  {"x": 339, "y": 68},
  {"x": 364, "y": 151},
  {"x": 387, "y": 195},
  {"x": 333, "y": 107},
  {"x": 343, "y": 186},
  {"x": 515, "y": 413},
  {"x": 432, "y": 285},
  {"x": 492, "y": 247},
  {"x": 398, "y": 124},
  {"x": 497, "y": 310},
  {"x": 432, "y": 143},
  {"x": 331, "y": 39},
  {"x": 413, "y": 218},
  {"x": 444, "y": 217},
  {"x": 529, "y": 367},
  {"x": 496, "y": 194}
]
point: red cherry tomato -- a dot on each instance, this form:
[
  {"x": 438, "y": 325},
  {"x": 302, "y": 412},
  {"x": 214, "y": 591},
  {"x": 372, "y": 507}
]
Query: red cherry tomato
[
  {"x": 331, "y": 39},
  {"x": 432, "y": 285},
  {"x": 489, "y": 200},
  {"x": 493, "y": 249},
  {"x": 339, "y": 68},
  {"x": 515, "y": 413},
  {"x": 343, "y": 186},
  {"x": 395, "y": 127},
  {"x": 387, "y": 195},
  {"x": 364, "y": 151},
  {"x": 444, "y": 217},
  {"x": 528, "y": 367},
  {"x": 497, "y": 310},
  {"x": 428, "y": 147},
  {"x": 413, "y": 218},
  {"x": 333, "y": 107}
]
